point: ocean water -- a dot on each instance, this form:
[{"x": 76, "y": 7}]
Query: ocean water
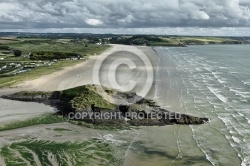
[{"x": 207, "y": 81}]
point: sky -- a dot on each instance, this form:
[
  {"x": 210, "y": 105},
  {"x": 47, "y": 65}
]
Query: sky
[{"x": 168, "y": 17}]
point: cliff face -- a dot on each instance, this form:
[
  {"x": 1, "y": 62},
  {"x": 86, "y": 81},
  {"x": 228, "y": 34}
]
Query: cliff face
[{"x": 85, "y": 104}]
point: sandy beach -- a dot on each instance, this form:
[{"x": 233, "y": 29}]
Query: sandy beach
[
  {"x": 81, "y": 74},
  {"x": 70, "y": 77}
]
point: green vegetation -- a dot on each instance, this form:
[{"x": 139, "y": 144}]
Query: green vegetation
[
  {"x": 45, "y": 119},
  {"x": 8, "y": 41},
  {"x": 171, "y": 41},
  {"x": 45, "y": 51},
  {"x": 61, "y": 129},
  {"x": 51, "y": 119},
  {"x": 17, "y": 53},
  {"x": 207, "y": 40},
  {"x": 23, "y": 59},
  {"x": 4, "y": 47},
  {"x": 27, "y": 46},
  {"x": 41, "y": 152},
  {"x": 100, "y": 127},
  {"x": 136, "y": 40},
  {"x": 32, "y": 94},
  {"x": 43, "y": 55},
  {"x": 35, "y": 73},
  {"x": 84, "y": 96}
]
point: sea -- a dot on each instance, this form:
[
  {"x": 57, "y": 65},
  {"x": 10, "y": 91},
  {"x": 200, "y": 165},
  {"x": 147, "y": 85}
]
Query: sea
[{"x": 210, "y": 81}]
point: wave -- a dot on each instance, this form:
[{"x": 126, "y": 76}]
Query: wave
[
  {"x": 238, "y": 92},
  {"x": 246, "y": 83},
  {"x": 203, "y": 149},
  {"x": 213, "y": 87},
  {"x": 218, "y": 94}
]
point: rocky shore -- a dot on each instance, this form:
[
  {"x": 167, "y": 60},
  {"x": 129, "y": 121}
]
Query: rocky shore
[{"x": 86, "y": 104}]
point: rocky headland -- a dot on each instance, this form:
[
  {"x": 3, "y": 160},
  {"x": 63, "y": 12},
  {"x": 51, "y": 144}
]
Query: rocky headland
[{"x": 85, "y": 103}]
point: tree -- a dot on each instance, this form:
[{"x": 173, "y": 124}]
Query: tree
[
  {"x": 17, "y": 53},
  {"x": 4, "y": 48}
]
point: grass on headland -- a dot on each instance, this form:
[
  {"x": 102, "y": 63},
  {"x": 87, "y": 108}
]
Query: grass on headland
[
  {"x": 84, "y": 96},
  {"x": 78, "y": 99},
  {"x": 32, "y": 93}
]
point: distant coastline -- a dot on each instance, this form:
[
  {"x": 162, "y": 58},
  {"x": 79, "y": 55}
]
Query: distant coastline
[{"x": 135, "y": 39}]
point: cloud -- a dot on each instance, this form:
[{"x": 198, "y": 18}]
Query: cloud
[
  {"x": 113, "y": 14},
  {"x": 94, "y": 22},
  {"x": 202, "y": 15}
]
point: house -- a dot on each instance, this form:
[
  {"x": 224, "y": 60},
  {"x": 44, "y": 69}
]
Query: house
[
  {"x": 29, "y": 66},
  {"x": 74, "y": 58},
  {"x": 18, "y": 65}
]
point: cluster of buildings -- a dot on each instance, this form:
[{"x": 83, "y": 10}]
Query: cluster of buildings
[{"x": 10, "y": 69}]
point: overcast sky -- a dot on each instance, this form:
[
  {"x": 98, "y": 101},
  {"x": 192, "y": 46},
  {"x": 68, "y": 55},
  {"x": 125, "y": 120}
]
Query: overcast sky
[{"x": 173, "y": 17}]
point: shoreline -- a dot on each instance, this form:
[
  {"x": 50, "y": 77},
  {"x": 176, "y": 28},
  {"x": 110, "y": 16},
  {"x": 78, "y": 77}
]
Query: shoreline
[
  {"x": 144, "y": 136},
  {"x": 69, "y": 78},
  {"x": 47, "y": 83},
  {"x": 80, "y": 74}
]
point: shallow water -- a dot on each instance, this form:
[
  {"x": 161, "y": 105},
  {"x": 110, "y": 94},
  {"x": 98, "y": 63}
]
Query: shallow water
[
  {"x": 204, "y": 81},
  {"x": 211, "y": 81}
]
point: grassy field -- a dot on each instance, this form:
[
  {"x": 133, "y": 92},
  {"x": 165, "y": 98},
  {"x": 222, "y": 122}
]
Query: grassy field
[
  {"x": 41, "y": 152},
  {"x": 56, "y": 45},
  {"x": 8, "y": 41},
  {"x": 29, "y": 45}
]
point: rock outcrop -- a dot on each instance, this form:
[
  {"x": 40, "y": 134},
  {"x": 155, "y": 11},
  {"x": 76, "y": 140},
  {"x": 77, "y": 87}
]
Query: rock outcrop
[{"x": 85, "y": 104}]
